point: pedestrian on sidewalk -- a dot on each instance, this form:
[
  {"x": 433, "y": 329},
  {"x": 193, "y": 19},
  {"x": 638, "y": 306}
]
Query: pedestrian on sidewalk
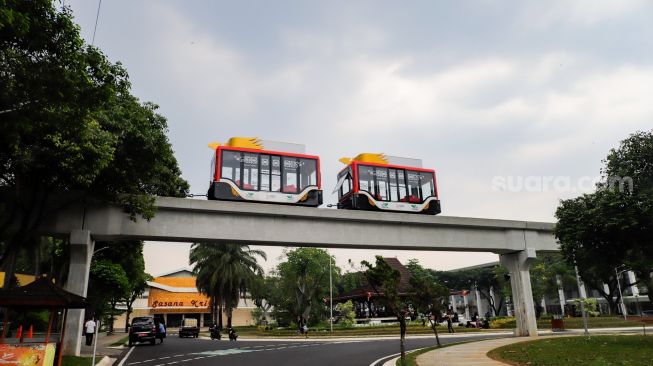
[{"x": 89, "y": 330}]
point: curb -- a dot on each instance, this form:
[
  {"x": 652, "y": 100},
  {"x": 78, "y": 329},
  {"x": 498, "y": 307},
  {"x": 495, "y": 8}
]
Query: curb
[{"x": 106, "y": 361}]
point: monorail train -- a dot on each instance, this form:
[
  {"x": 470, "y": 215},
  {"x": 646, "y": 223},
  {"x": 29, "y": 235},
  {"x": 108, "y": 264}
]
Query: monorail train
[
  {"x": 387, "y": 183},
  {"x": 249, "y": 169}
]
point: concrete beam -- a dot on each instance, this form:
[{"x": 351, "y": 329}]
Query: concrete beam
[{"x": 190, "y": 220}]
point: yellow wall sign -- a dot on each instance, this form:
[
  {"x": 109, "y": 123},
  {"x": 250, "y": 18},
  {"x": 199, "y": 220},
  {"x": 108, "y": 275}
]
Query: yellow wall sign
[{"x": 164, "y": 299}]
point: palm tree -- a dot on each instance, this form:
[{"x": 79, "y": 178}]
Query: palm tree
[{"x": 224, "y": 272}]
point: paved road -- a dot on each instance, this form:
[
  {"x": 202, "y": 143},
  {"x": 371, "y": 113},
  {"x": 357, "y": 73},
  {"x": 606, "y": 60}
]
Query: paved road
[{"x": 191, "y": 351}]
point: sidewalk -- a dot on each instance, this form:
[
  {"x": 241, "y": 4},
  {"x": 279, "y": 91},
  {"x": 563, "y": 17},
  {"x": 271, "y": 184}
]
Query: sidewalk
[
  {"x": 104, "y": 347},
  {"x": 468, "y": 354}
]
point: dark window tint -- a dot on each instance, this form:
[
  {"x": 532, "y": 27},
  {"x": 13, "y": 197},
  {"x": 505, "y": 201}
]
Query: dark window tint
[
  {"x": 307, "y": 173},
  {"x": 231, "y": 166},
  {"x": 366, "y": 179},
  {"x": 290, "y": 175},
  {"x": 250, "y": 171},
  {"x": 427, "y": 185}
]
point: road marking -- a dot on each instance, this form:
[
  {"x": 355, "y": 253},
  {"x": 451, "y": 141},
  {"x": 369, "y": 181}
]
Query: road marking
[{"x": 126, "y": 356}]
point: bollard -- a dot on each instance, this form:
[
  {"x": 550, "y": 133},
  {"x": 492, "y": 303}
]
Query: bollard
[
  {"x": 19, "y": 332},
  {"x": 30, "y": 331}
]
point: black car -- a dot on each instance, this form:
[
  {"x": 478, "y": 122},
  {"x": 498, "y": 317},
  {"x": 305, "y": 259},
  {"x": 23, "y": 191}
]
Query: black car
[{"x": 141, "y": 330}]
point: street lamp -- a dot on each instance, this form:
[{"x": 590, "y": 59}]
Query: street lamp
[
  {"x": 623, "y": 305},
  {"x": 330, "y": 294}
]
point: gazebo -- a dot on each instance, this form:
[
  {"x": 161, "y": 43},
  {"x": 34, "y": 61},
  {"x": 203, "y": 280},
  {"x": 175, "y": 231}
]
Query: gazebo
[
  {"x": 42, "y": 294},
  {"x": 364, "y": 296}
]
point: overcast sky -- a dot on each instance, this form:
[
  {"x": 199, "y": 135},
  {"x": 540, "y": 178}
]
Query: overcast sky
[{"x": 485, "y": 92}]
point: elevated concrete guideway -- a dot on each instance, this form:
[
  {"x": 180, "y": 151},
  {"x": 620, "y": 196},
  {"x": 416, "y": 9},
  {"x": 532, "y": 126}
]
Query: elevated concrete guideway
[{"x": 189, "y": 220}]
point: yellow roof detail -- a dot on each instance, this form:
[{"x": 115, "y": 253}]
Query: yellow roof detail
[
  {"x": 214, "y": 145},
  {"x": 176, "y": 281},
  {"x": 366, "y": 158},
  {"x": 245, "y": 142}
]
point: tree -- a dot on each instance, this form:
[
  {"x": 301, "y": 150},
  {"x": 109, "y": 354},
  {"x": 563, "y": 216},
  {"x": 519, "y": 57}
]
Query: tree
[
  {"x": 304, "y": 282},
  {"x": 612, "y": 226},
  {"x": 487, "y": 280},
  {"x": 385, "y": 281},
  {"x": 129, "y": 255},
  {"x": 628, "y": 173},
  {"x": 429, "y": 297},
  {"x": 70, "y": 128},
  {"x": 108, "y": 285},
  {"x": 225, "y": 272},
  {"x": 347, "y": 314}
]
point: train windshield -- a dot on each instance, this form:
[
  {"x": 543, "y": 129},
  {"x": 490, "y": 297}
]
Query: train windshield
[
  {"x": 266, "y": 172},
  {"x": 396, "y": 185}
]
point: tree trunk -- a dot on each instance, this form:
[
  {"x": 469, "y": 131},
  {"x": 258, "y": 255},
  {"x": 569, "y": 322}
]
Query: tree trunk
[
  {"x": 219, "y": 314},
  {"x": 402, "y": 347},
  {"x": 129, "y": 313},
  {"x": 10, "y": 268},
  {"x": 435, "y": 330}
]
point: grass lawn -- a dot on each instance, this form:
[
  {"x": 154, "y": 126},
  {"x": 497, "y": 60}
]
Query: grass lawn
[
  {"x": 122, "y": 341},
  {"x": 577, "y": 323},
  {"x": 348, "y": 332},
  {"x": 594, "y": 350},
  {"x": 78, "y": 361}
]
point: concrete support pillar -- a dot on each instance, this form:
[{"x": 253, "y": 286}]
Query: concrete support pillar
[
  {"x": 631, "y": 279},
  {"x": 561, "y": 295},
  {"x": 479, "y": 306},
  {"x": 466, "y": 305},
  {"x": 81, "y": 252},
  {"x": 543, "y": 304},
  {"x": 518, "y": 264},
  {"x": 453, "y": 304},
  {"x": 494, "y": 301}
]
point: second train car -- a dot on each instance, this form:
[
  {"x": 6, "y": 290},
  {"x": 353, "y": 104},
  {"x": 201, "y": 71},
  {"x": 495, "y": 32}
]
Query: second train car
[
  {"x": 387, "y": 183},
  {"x": 249, "y": 169}
]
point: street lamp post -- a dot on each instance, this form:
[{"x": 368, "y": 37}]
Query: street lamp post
[
  {"x": 330, "y": 295},
  {"x": 623, "y": 305}
]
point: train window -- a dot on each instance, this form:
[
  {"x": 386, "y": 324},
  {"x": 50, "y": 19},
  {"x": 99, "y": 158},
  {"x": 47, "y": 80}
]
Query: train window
[
  {"x": 289, "y": 175},
  {"x": 250, "y": 171},
  {"x": 382, "y": 186},
  {"x": 308, "y": 173},
  {"x": 412, "y": 178},
  {"x": 394, "y": 193},
  {"x": 276, "y": 174},
  {"x": 265, "y": 172},
  {"x": 231, "y": 166},
  {"x": 344, "y": 184},
  {"x": 426, "y": 181},
  {"x": 401, "y": 182},
  {"x": 366, "y": 179}
]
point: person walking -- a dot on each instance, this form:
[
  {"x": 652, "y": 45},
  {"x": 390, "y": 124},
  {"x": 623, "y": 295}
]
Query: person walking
[
  {"x": 450, "y": 324},
  {"x": 161, "y": 331},
  {"x": 89, "y": 330}
]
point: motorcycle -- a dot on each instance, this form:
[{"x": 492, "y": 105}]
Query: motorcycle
[
  {"x": 215, "y": 332},
  {"x": 233, "y": 336}
]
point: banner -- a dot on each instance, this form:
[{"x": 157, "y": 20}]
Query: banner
[{"x": 27, "y": 354}]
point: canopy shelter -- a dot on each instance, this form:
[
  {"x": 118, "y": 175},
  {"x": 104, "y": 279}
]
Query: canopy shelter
[
  {"x": 363, "y": 296},
  {"x": 38, "y": 295}
]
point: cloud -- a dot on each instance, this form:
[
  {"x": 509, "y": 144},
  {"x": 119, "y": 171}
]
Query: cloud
[{"x": 583, "y": 13}]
